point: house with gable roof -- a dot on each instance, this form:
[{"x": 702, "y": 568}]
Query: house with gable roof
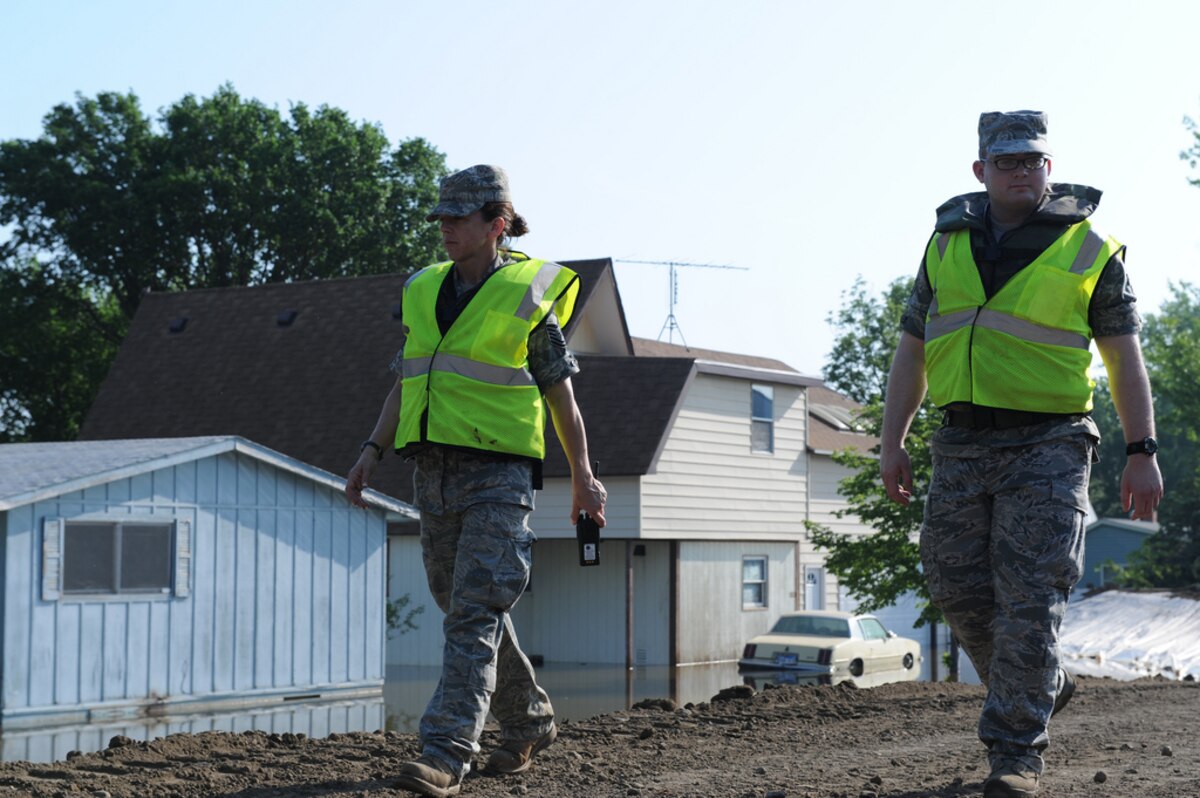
[{"x": 712, "y": 460}]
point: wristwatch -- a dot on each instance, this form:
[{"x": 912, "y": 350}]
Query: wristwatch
[
  {"x": 1147, "y": 446},
  {"x": 378, "y": 449}
]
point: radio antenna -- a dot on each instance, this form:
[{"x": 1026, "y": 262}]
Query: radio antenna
[{"x": 671, "y": 325}]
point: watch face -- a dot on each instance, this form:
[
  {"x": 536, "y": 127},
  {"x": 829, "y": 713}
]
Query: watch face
[{"x": 1151, "y": 445}]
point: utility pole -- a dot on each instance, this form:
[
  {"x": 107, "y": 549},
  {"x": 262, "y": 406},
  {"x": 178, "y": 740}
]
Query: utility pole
[{"x": 671, "y": 325}]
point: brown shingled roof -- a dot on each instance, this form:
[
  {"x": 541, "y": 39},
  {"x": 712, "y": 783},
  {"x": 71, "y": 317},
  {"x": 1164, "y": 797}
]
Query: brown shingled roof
[
  {"x": 312, "y": 388},
  {"x": 628, "y": 405},
  {"x": 826, "y": 437},
  {"x": 644, "y": 347}
]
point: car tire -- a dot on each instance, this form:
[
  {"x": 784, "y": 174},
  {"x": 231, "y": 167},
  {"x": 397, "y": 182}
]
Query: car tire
[
  {"x": 908, "y": 662},
  {"x": 856, "y": 668}
]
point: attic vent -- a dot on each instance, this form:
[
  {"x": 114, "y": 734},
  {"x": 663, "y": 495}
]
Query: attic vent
[
  {"x": 286, "y": 318},
  {"x": 177, "y": 325},
  {"x": 397, "y": 310}
]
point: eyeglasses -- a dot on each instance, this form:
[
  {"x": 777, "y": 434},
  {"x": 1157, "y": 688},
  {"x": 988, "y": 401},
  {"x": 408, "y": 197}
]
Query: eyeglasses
[{"x": 1008, "y": 163}]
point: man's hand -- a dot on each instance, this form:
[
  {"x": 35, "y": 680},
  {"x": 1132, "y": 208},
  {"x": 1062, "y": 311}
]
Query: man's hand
[
  {"x": 1141, "y": 487},
  {"x": 896, "y": 469},
  {"x": 358, "y": 479},
  {"x": 589, "y": 496}
]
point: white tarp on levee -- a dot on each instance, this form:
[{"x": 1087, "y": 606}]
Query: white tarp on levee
[{"x": 1127, "y": 635}]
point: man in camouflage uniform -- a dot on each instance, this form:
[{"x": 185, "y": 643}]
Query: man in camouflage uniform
[
  {"x": 475, "y": 503},
  {"x": 1002, "y": 541}
]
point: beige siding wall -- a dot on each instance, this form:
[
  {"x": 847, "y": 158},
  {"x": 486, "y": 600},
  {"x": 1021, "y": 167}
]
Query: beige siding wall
[
  {"x": 406, "y": 575},
  {"x": 713, "y": 624},
  {"x": 551, "y": 517},
  {"x": 824, "y": 500},
  {"x": 709, "y": 485},
  {"x": 575, "y": 614}
]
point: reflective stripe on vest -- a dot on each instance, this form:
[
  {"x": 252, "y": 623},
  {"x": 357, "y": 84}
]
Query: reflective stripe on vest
[
  {"x": 1027, "y": 348},
  {"x": 473, "y": 387}
]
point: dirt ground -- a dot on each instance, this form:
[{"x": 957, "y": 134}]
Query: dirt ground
[{"x": 1130, "y": 739}]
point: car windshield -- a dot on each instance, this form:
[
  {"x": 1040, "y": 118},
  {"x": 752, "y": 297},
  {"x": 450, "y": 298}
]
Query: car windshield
[{"x": 808, "y": 625}]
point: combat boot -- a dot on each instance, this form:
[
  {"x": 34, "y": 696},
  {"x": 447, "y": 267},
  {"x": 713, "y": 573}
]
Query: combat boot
[
  {"x": 1011, "y": 780},
  {"x": 515, "y": 756},
  {"x": 1066, "y": 689},
  {"x": 428, "y": 776}
]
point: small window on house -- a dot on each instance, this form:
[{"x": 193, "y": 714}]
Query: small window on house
[
  {"x": 107, "y": 558},
  {"x": 762, "y": 418},
  {"x": 754, "y": 582}
]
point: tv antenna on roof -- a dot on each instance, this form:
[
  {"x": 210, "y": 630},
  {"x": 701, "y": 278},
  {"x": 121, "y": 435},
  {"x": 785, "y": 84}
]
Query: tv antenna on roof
[{"x": 672, "y": 324}]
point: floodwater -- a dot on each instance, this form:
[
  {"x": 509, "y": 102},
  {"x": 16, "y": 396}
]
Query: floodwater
[{"x": 578, "y": 692}]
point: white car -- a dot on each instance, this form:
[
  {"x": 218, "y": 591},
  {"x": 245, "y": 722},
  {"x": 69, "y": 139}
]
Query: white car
[{"x": 831, "y": 642}]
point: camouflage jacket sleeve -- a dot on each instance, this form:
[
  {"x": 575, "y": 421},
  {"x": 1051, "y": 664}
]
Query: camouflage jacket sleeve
[
  {"x": 549, "y": 359},
  {"x": 397, "y": 364},
  {"x": 1113, "y": 310},
  {"x": 912, "y": 320}
]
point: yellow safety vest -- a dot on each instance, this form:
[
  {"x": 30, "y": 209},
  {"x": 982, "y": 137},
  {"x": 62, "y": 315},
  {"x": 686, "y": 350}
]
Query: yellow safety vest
[
  {"x": 1026, "y": 348},
  {"x": 473, "y": 388}
]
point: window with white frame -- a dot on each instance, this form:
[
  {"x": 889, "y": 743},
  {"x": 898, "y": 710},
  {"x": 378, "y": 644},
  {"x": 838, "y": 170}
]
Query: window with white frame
[
  {"x": 762, "y": 418},
  {"x": 754, "y": 582},
  {"x": 98, "y": 557}
]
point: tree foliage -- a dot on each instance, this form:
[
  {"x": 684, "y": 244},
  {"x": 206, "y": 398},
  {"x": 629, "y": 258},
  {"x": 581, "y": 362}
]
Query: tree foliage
[
  {"x": 108, "y": 203},
  {"x": 56, "y": 341},
  {"x": 878, "y": 569},
  {"x": 1171, "y": 346}
]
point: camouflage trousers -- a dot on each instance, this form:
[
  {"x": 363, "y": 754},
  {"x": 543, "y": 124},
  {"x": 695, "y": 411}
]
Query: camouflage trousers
[
  {"x": 477, "y": 561},
  {"x": 1002, "y": 546}
]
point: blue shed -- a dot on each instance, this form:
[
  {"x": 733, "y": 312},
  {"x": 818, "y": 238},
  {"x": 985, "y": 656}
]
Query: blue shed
[
  {"x": 1111, "y": 539},
  {"x": 175, "y": 575}
]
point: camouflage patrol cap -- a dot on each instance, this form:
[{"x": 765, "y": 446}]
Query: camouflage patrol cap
[
  {"x": 465, "y": 192},
  {"x": 1012, "y": 132}
]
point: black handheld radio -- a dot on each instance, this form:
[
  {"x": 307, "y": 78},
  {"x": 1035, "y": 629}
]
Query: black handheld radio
[{"x": 587, "y": 533}]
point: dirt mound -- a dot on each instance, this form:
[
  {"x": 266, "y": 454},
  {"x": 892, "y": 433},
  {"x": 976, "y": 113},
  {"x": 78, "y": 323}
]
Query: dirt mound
[{"x": 900, "y": 741}]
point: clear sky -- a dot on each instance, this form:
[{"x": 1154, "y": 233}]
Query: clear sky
[{"x": 808, "y": 142}]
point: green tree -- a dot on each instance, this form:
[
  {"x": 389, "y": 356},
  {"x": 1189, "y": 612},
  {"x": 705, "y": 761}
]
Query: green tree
[
  {"x": 1171, "y": 345},
  {"x": 879, "y": 569},
  {"x": 56, "y": 340},
  {"x": 108, "y": 203}
]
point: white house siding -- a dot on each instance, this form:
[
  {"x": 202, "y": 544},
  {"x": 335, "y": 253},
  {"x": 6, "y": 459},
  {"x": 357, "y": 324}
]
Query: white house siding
[
  {"x": 286, "y": 593},
  {"x": 576, "y": 614},
  {"x": 423, "y": 645},
  {"x": 622, "y": 514},
  {"x": 709, "y": 485},
  {"x": 823, "y": 501},
  {"x": 713, "y": 625},
  {"x": 570, "y": 613}
]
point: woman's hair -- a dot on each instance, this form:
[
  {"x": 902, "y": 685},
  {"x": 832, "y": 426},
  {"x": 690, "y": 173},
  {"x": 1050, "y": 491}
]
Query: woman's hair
[{"x": 515, "y": 225}]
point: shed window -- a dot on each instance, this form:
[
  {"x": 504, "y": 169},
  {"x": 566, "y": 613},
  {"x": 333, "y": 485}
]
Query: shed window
[
  {"x": 754, "y": 582},
  {"x": 762, "y": 418},
  {"x": 105, "y": 558}
]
